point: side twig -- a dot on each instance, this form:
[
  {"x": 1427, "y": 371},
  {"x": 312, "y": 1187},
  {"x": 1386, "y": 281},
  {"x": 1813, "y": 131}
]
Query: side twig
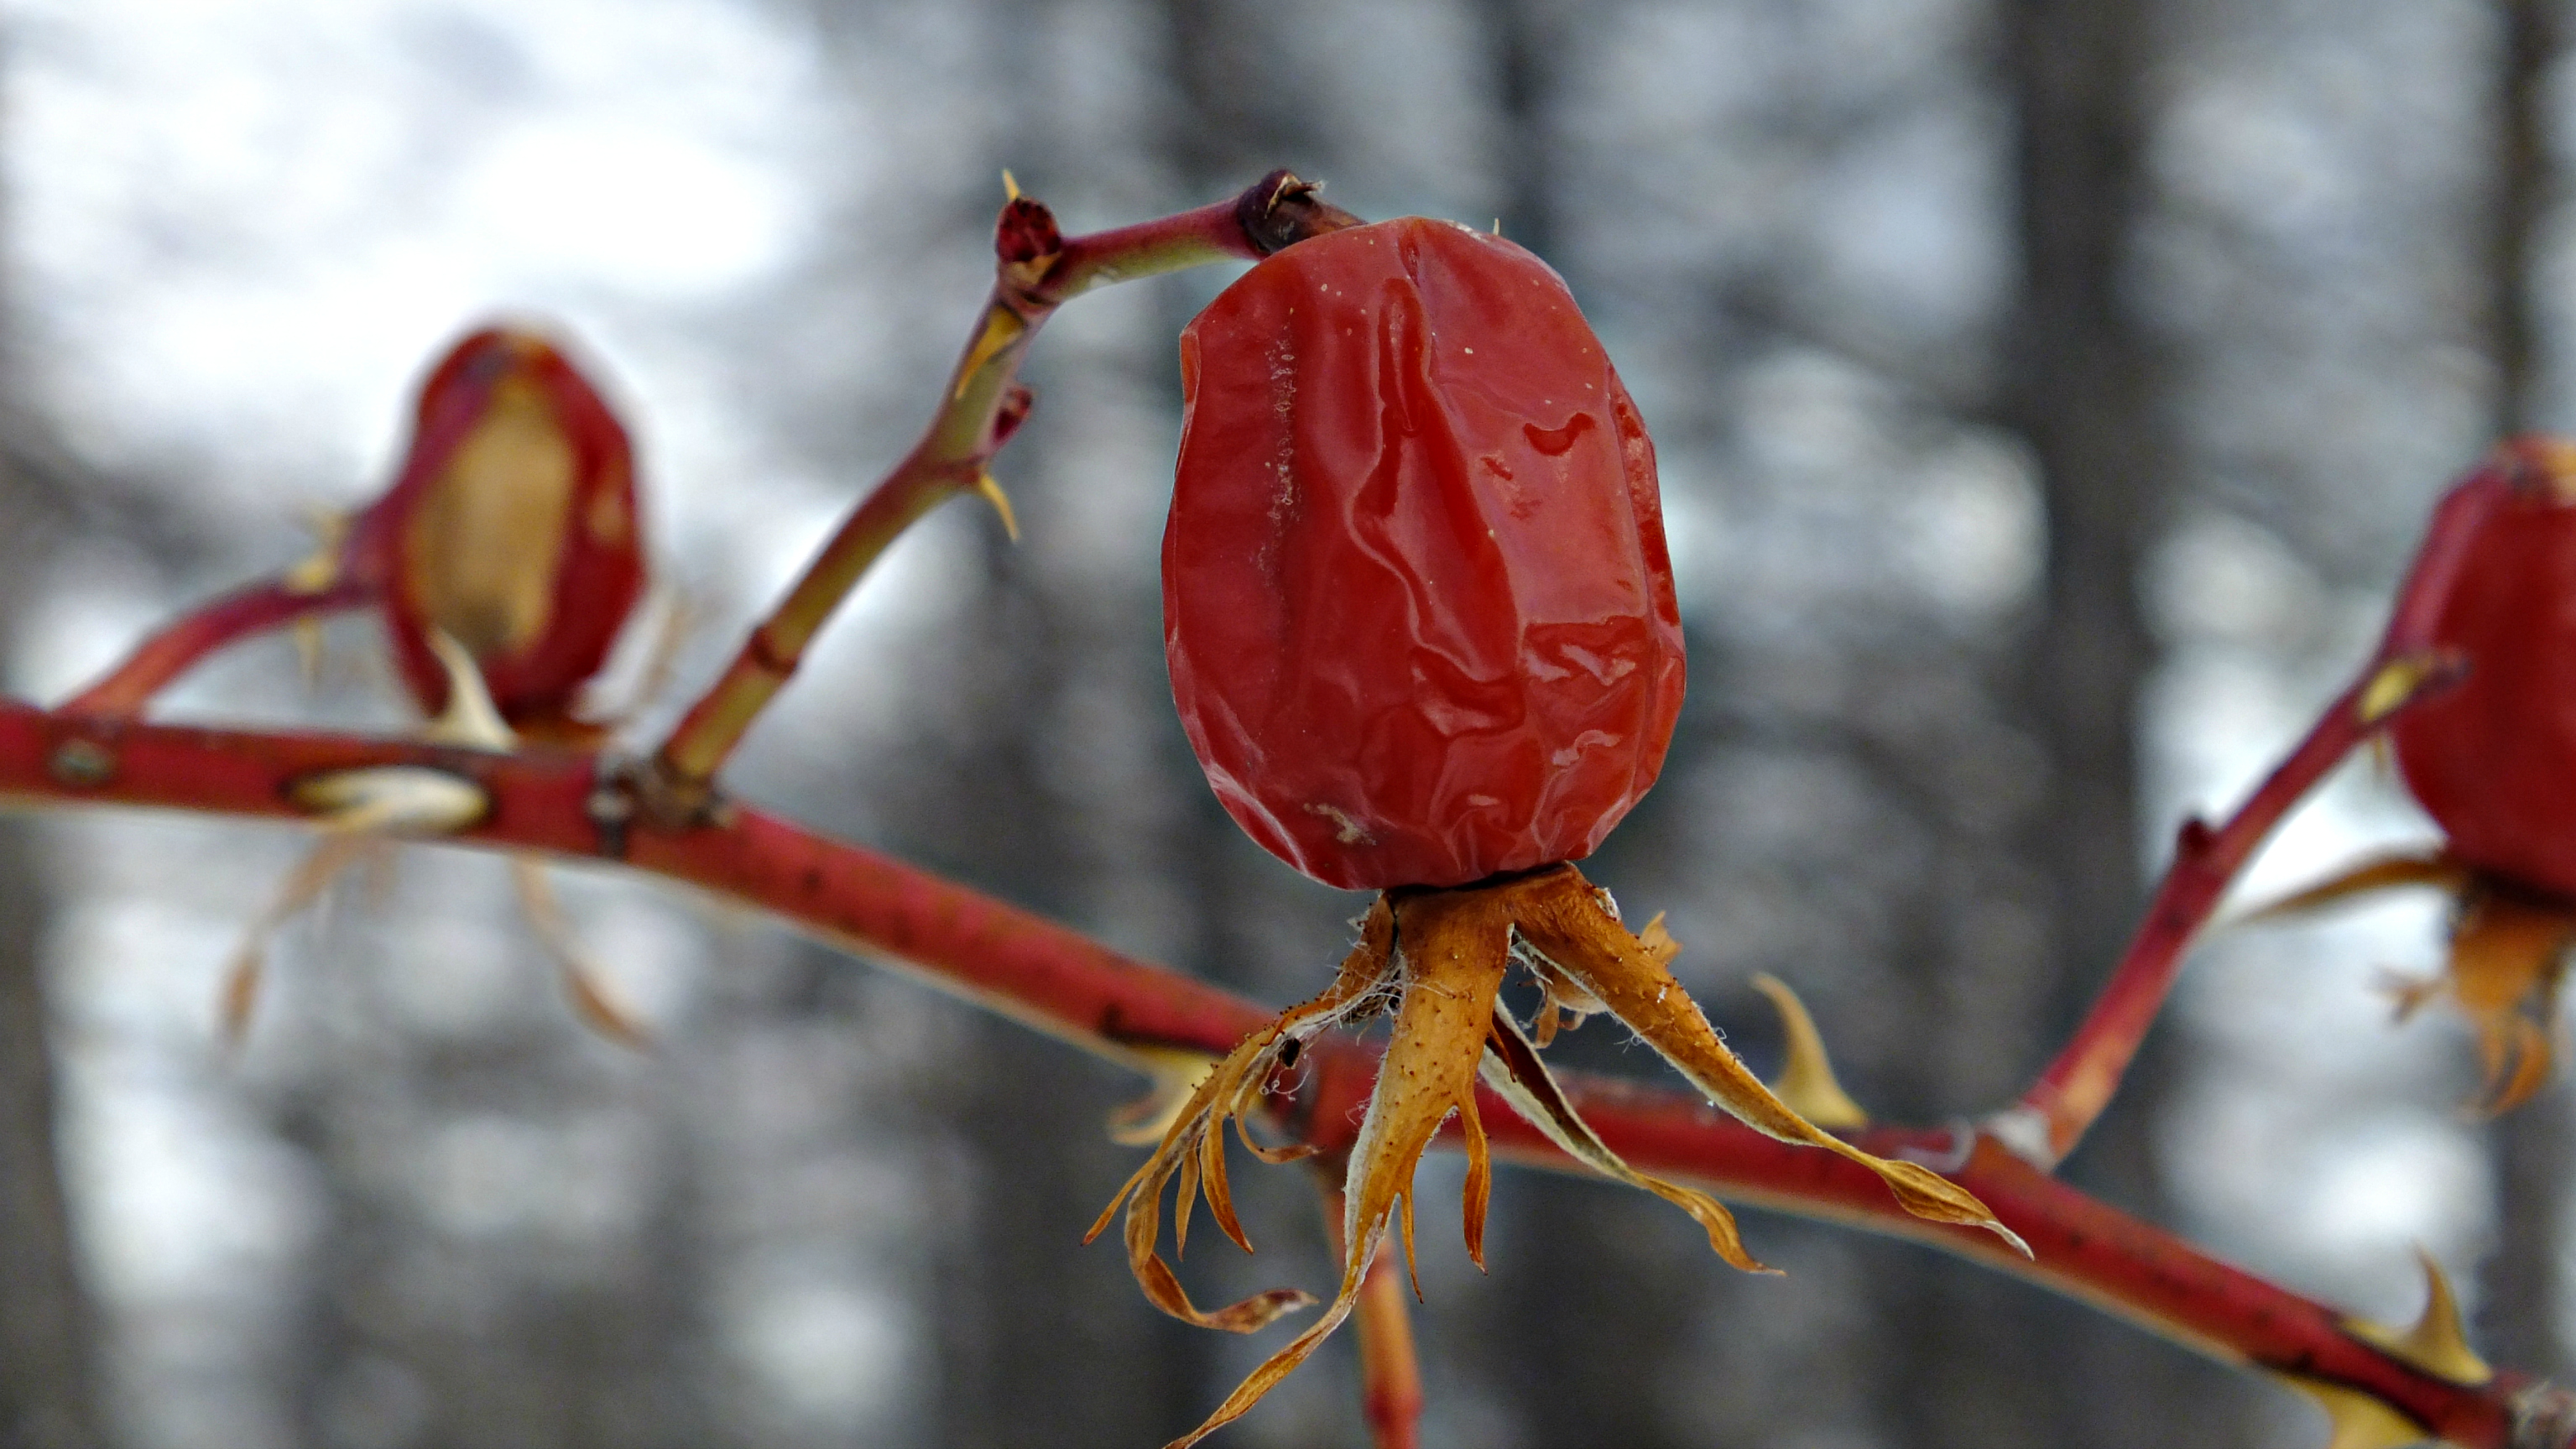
[
  {"x": 1037, "y": 271},
  {"x": 1058, "y": 981},
  {"x": 2052, "y": 1116},
  {"x": 253, "y": 609}
]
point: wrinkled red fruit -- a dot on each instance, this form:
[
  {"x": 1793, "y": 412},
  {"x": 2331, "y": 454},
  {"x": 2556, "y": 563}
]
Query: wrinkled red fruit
[
  {"x": 1416, "y": 599},
  {"x": 512, "y": 528},
  {"x": 2493, "y": 758}
]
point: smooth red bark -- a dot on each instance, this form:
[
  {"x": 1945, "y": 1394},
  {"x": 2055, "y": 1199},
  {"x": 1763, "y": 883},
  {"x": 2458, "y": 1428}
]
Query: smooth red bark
[{"x": 1058, "y": 981}]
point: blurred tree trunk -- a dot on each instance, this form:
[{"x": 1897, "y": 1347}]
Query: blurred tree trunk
[
  {"x": 48, "y": 1337},
  {"x": 2524, "y": 1279},
  {"x": 45, "y": 1331},
  {"x": 2080, "y": 385}
]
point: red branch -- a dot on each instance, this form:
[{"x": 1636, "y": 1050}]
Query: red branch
[
  {"x": 2408, "y": 668},
  {"x": 253, "y": 609},
  {"x": 2080, "y": 1083},
  {"x": 1058, "y": 981}
]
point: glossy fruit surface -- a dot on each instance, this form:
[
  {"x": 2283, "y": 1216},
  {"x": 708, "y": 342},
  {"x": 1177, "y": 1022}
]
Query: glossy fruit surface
[
  {"x": 512, "y": 528},
  {"x": 1416, "y": 600},
  {"x": 2493, "y": 758}
]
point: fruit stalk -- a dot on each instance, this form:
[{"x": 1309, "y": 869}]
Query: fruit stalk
[{"x": 1037, "y": 270}]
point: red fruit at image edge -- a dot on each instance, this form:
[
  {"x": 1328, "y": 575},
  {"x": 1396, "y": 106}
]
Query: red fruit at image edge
[
  {"x": 2493, "y": 757},
  {"x": 1416, "y": 600},
  {"x": 512, "y": 528}
]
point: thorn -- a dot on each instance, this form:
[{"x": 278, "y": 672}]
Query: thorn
[
  {"x": 320, "y": 569},
  {"x": 2395, "y": 684},
  {"x": 1498, "y": 226},
  {"x": 470, "y": 718},
  {"x": 312, "y": 574},
  {"x": 1010, "y": 185},
  {"x": 1177, "y": 1073},
  {"x": 1002, "y": 327},
  {"x": 545, "y": 913},
  {"x": 2435, "y": 1342},
  {"x": 1807, "y": 1082},
  {"x": 1001, "y": 501},
  {"x": 2358, "y": 1421}
]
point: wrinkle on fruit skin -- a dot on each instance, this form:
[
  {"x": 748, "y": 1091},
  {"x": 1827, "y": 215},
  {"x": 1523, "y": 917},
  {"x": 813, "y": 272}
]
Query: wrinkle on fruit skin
[{"x": 1415, "y": 574}]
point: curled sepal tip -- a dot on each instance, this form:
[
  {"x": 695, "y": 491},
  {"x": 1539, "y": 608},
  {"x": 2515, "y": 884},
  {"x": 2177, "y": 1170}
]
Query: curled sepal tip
[
  {"x": 1563, "y": 918},
  {"x": 1193, "y": 1146},
  {"x": 1455, "y": 949}
]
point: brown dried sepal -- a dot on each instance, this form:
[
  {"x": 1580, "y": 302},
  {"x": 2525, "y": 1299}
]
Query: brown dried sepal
[
  {"x": 1193, "y": 1149},
  {"x": 1446, "y": 952},
  {"x": 2507, "y": 956},
  {"x": 1564, "y": 919},
  {"x": 1453, "y": 949}
]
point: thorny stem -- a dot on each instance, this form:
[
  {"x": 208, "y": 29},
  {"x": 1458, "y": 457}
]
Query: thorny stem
[
  {"x": 1037, "y": 271},
  {"x": 1390, "y": 1370},
  {"x": 253, "y": 609},
  {"x": 2054, "y": 1113},
  {"x": 1058, "y": 981}
]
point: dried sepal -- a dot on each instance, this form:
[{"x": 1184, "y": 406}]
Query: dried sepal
[
  {"x": 2508, "y": 954},
  {"x": 590, "y": 1000},
  {"x": 1454, "y": 948},
  {"x": 1564, "y": 919},
  {"x": 2434, "y": 868},
  {"x": 2506, "y": 958},
  {"x": 1511, "y": 1066},
  {"x": 1192, "y": 1147},
  {"x": 243, "y": 974},
  {"x": 1479, "y": 1192}
]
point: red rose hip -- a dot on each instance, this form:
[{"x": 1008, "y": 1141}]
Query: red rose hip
[
  {"x": 512, "y": 528},
  {"x": 2493, "y": 757},
  {"x": 1416, "y": 600}
]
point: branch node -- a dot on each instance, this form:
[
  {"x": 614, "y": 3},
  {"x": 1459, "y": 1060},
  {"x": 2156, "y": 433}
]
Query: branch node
[
  {"x": 1026, "y": 240},
  {"x": 82, "y": 764},
  {"x": 1280, "y": 209}
]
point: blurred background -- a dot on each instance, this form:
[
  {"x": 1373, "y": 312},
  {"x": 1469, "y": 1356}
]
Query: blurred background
[{"x": 2048, "y": 395}]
